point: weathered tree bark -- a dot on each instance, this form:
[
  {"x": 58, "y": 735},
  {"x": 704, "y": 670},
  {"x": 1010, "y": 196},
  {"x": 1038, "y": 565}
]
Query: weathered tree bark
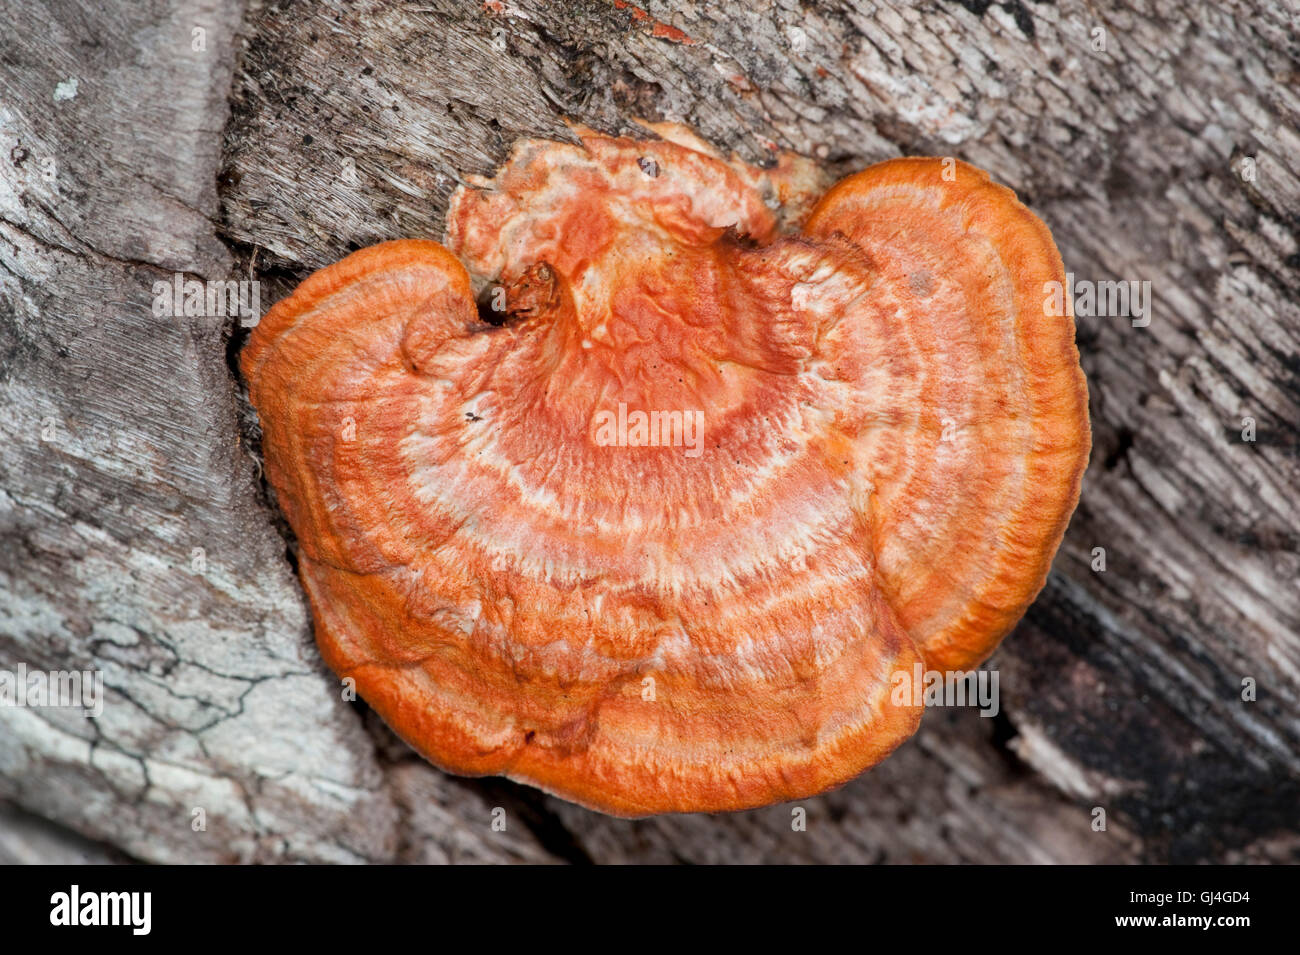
[{"x": 1158, "y": 140}]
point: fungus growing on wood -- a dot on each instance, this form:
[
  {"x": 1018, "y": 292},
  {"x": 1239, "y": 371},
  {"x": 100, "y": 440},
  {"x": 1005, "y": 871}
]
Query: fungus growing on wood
[{"x": 510, "y": 546}]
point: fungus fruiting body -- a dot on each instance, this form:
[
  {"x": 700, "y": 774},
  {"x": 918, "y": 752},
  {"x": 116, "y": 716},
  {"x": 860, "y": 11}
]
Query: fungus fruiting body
[{"x": 663, "y": 534}]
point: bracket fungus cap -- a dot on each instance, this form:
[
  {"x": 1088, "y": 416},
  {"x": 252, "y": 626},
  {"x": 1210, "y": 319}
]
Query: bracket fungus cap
[{"x": 668, "y": 533}]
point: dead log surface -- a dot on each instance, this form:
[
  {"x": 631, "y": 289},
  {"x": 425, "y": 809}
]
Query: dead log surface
[{"x": 137, "y": 537}]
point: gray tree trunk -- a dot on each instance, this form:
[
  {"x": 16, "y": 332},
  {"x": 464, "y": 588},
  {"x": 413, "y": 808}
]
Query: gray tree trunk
[{"x": 1159, "y": 141}]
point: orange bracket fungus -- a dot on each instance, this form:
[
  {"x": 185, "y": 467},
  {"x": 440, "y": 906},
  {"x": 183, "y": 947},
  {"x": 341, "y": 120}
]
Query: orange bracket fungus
[{"x": 723, "y": 467}]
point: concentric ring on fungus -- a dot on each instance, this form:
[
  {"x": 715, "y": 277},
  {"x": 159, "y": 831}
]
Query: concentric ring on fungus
[{"x": 878, "y": 444}]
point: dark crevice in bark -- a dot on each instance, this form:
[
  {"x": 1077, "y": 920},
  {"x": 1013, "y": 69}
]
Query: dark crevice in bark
[{"x": 531, "y": 807}]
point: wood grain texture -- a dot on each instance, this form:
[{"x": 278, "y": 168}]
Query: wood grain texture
[{"x": 1172, "y": 156}]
